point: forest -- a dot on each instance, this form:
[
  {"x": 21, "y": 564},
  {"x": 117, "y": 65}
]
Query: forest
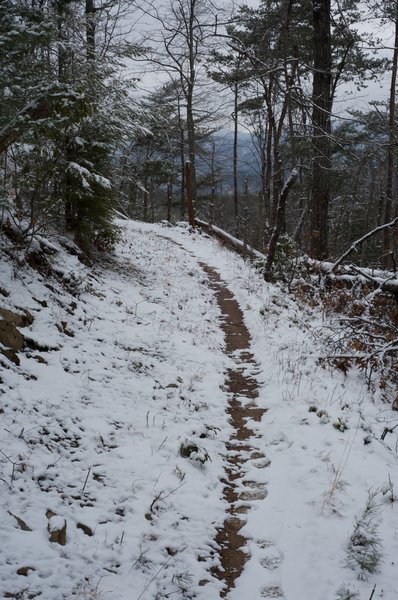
[
  {"x": 198, "y": 299},
  {"x": 105, "y": 103}
]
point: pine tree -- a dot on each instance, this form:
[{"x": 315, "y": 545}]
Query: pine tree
[{"x": 64, "y": 158}]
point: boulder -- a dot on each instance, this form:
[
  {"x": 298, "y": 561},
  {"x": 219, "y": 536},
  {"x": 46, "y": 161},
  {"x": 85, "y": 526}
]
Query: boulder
[
  {"x": 85, "y": 528},
  {"x": 16, "y": 319},
  {"x": 12, "y": 356},
  {"x": 25, "y": 572},
  {"x": 56, "y": 528},
  {"x": 10, "y": 337},
  {"x": 21, "y": 522}
]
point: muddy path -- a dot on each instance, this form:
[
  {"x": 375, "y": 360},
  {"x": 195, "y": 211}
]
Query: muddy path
[{"x": 242, "y": 387}]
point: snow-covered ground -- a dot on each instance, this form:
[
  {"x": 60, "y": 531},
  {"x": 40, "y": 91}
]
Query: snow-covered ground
[{"x": 130, "y": 368}]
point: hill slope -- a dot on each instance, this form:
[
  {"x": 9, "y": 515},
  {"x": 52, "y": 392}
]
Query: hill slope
[{"x": 124, "y": 366}]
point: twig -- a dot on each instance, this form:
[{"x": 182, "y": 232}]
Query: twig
[
  {"x": 360, "y": 241},
  {"x": 373, "y": 591},
  {"x": 387, "y": 430},
  {"x": 154, "y": 577},
  {"x": 164, "y": 441},
  {"x": 14, "y": 464},
  {"x": 87, "y": 476}
]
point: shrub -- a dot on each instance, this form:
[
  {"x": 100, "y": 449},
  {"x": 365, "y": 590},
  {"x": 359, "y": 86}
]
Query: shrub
[{"x": 364, "y": 546}]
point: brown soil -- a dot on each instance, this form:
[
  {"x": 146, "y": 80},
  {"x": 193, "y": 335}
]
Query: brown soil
[{"x": 241, "y": 385}]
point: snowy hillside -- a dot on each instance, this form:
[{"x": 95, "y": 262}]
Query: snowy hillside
[{"x": 115, "y": 435}]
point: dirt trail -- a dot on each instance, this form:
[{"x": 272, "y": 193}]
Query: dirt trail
[{"x": 243, "y": 389}]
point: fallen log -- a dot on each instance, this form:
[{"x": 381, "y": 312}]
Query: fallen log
[{"x": 230, "y": 241}]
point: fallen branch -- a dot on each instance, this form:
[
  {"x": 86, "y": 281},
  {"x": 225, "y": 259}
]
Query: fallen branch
[
  {"x": 360, "y": 241},
  {"x": 230, "y": 240}
]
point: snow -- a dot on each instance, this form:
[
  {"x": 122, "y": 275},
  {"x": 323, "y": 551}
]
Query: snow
[{"x": 135, "y": 369}]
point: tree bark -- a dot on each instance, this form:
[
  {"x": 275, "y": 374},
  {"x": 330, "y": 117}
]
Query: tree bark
[
  {"x": 321, "y": 122},
  {"x": 90, "y": 29},
  {"x": 279, "y": 223},
  {"x": 235, "y": 159},
  {"x": 182, "y": 161},
  {"x": 391, "y": 147},
  {"x": 190, "y": 196},
  {"x": 169, "y": 199},
  {"x": 191, "y": 132}
]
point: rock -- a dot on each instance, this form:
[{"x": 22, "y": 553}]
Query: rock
[
  {"x": 56, "y": 528},
  {"x": 12, "y": 356},
  {"x": 21, "y": 522},
  {"x": 25, "y": 571},
  {"x": 28, "y": 318},
  {"x": 15, "y": 318},
  {"x": 63, "y": 328},
  {"x": 40, "y": 359},
  {"x": 85, "y": 528},
  {"x": 10, "y": 337},
  {"x": 42, "y": 303},
  {"x": 395, "y": 404}
]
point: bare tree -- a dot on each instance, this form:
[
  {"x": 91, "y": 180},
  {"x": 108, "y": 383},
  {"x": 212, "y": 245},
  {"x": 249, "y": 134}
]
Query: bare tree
[{"x": 184, "y": 36}]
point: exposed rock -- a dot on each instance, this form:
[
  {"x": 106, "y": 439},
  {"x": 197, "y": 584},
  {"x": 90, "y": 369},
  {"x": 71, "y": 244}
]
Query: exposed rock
[
  {"x": 21, "y": 522},
  {"x": 25, "y": 571},
  {"x": 63, "y": 328},
  {"x": 85, "y": 528},
  {"x": 28, "y": 318},
  {"x": 56, "y": 528},
  {"x": 42, "y": 303},
  {"x": 17, "y": 319},
  {"x": 40, "y": 359},
  {"x": 10, "y": 337},
  {"x": 35, "y": 345},
  {"x": 12, "y": 356},
  {"x": 395, "y": 404}
]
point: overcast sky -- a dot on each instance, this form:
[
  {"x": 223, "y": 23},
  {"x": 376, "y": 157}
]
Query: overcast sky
[{"x": 349, "y": 97}]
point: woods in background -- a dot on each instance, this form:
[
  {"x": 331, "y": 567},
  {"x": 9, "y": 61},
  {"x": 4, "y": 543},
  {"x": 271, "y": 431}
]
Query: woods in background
[{"x": 247, "y": 98}]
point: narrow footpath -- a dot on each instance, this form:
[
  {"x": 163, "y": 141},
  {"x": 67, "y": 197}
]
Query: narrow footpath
[{"x": 242, "y": 386}]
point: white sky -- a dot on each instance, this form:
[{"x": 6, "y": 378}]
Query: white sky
[{"x": 349, "y": 98}]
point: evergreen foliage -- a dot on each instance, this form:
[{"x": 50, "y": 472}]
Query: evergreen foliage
[
  {"x": 66, "y": 113},
  {"x": 364, "y": 548},
  {"x": 345, "y": 593}
]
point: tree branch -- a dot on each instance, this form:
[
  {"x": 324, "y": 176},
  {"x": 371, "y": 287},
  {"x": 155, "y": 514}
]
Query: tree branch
[{"x": 360, "y": 241}]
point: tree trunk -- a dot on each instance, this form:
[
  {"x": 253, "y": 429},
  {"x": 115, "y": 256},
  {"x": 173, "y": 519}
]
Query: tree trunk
[
  {"x": 191, "y": 142},
  {"x": 90, "y": 29},
  {"x": 191, "y": 133},
  {"x": 169, "y": 199},
  {"x": 235, "y": 160},
  {"x": 213, "y": 185},
  {"x": 268, "y": 172},
  {"x": 387, "y": 247},
  {"x": 321, "y": 123},
  {"x": 190, "y": 197},
  {"x": 279, "y": 223},
  {"x": 182, "y": 162}
]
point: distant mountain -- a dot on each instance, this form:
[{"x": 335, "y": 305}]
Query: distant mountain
[{"x": 248, "y": 162}]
